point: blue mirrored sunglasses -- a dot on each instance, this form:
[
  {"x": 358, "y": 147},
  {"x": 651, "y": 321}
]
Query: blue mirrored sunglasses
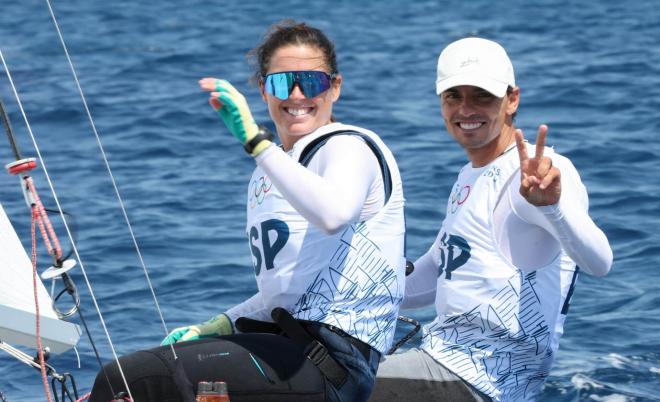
[{"x": 311, "y": 83}]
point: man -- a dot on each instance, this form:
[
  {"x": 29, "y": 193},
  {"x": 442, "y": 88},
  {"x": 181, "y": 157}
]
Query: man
[{"x": 503, "y": 266}]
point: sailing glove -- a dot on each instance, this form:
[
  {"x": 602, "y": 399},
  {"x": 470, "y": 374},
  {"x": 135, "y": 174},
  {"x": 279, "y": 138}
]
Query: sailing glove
[
  {"x": 216, "y": 326},
  {"x": 236, "y": 115}
]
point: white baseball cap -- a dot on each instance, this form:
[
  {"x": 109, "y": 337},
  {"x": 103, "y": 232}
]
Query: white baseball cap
[{"x": 475, "y": 61}]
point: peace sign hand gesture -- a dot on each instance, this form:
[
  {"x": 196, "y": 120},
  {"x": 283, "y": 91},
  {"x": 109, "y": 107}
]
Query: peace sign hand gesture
[{"x": 540, "y": 182}]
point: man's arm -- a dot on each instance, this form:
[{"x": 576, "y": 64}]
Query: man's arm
[
  {"x": 568, "y": 221},
  {"x": 421, "y": 284},
  {"x": 552, "y": 196}
]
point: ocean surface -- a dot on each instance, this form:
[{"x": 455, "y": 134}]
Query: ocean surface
[{"x": 590, "y": 70}]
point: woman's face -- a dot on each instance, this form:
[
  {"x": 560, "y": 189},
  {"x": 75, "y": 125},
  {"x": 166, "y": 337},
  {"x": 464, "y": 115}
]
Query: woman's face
[{"x": 298, "y": 116}]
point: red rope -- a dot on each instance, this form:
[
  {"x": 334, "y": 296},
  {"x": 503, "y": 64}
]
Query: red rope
[
  {"x": 40, "y": 218},
  {"x": 87, "y": 395},
  {"x": 84, "y": 397},
  {"x": 40, "y": 351},
  {"x": 45, "y": 227}
]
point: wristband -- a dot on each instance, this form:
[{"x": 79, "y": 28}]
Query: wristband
[{"x": 262, "y": 135}]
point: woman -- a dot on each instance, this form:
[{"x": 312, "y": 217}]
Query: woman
[{"x": 326, "y": 230}]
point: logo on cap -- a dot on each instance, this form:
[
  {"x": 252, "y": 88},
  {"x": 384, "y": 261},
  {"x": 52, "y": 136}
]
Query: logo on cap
[{"x": 470, "y": 60}]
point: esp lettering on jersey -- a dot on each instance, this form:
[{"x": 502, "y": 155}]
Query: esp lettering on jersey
[
  {"x": 454, "y": 253},
  {"x": 266, "y": 241}
]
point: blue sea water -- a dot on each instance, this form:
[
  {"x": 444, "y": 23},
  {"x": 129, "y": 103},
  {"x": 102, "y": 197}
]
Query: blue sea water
[{"x": 590, "y": 70}]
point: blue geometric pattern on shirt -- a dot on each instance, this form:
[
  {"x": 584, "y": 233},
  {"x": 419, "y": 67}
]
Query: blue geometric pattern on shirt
[
  {"x": 510, "y": 346},
  {"x": 358, "y": 291}
]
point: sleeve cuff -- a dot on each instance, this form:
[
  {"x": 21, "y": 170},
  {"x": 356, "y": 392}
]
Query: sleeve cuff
[
  {"x": 265, "y": 153},
  {"x": 551, "y": 211}
]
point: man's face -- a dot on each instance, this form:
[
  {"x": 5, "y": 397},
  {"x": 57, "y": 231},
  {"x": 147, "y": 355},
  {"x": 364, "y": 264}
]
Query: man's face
[{"x": 474, "y": 116}]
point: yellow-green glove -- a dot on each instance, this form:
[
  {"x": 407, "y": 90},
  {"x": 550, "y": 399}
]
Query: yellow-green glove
[
  {"x": 236, "y": 115},
  {"x": 216, "y": 326}
]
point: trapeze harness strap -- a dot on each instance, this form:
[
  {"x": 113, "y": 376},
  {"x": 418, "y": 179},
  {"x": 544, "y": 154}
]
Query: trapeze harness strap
[
  {"x": 312, "y": 348},
  {"x": 310, "y": 150}
]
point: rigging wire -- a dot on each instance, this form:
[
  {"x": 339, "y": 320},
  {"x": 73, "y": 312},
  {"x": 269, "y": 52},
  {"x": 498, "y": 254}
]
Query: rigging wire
[
  {"x": 107, "y": 165},
  {"x": 21, "y": 356},
  {"x": 66, "y": 226},
  {"x": 114, "y": 184},
  {"x": 30, "y": 361},
  {"x": 40, "y": 218}
]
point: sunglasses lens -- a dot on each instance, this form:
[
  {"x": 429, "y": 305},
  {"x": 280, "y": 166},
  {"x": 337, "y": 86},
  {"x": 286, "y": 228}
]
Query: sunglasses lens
[
  {"x": 311, "y": 83},
  {"x": 279, "y": 85}
]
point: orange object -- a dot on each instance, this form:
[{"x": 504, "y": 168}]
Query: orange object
[{"x": 212, "y": 392}]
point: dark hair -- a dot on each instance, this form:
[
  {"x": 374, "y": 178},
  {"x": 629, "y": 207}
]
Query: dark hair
[
  {"x": 289, "y": 32},
  {"x": 509, "y": 90}
]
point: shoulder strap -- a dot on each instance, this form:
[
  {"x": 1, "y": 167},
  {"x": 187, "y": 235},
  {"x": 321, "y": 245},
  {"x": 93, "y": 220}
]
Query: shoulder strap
[{"x": 310, "y": 150}]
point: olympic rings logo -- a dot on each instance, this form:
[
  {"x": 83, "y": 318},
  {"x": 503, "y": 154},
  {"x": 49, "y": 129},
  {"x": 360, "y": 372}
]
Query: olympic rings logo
[
  {"x": 258, "y": 190},
  {"x": 459, "y": 196}
]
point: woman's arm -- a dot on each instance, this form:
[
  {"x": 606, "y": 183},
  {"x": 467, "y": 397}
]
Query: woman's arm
[{"x": 335, "y": 195}]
